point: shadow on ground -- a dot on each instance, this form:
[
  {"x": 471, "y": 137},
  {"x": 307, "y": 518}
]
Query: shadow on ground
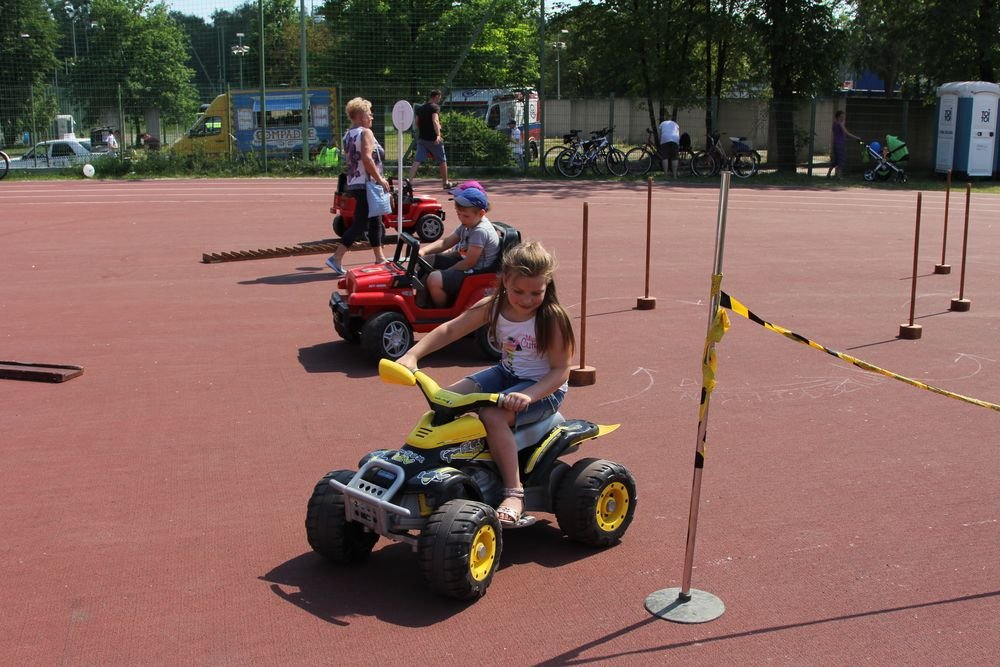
[
  {"x": 351, "y": 360},
  {"x": 575, "y": 656},
  {"x": 389, "y": 585},
  {"x": 304, "y": 274}
]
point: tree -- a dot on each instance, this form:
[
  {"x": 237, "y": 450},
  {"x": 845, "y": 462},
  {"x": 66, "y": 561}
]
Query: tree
[
  {"x": 732, "y": 41},
  {"x": 669, "y": 52},
  {"x": 887, "y": 38},
  {"x": 959, "y": 41},
  {"x": 140, "y": 50},
  {"x": 281, "y": 41},
  {"x": 205, "y": 57},
  {"x": 28, "y": 41},
  {"x": 506, "y": 51},
  {"x": 804, "y": 49},
  {"x": 404, "y": 48}
]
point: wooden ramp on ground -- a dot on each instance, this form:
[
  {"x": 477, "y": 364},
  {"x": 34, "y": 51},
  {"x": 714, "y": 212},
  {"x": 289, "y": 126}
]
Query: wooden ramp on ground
[{"x": 21, "y": 370}]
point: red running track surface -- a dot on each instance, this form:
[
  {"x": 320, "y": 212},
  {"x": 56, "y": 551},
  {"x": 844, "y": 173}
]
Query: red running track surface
[{"x": 152, "y": 509}]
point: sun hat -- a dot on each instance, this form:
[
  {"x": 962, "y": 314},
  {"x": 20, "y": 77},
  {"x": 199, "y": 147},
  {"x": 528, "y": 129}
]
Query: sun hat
[{"x": 471, "y": 194}]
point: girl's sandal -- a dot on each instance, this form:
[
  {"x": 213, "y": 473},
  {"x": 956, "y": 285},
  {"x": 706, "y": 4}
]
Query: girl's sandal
[{"x": 511, "y": 517}]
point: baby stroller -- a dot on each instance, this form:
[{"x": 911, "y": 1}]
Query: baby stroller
[{"x": 885, "y": 161}]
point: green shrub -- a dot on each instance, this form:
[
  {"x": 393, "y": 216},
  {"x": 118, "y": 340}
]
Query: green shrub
[
  {"x": 142, "y": 163},
  {"x": 471, "y": 143}
]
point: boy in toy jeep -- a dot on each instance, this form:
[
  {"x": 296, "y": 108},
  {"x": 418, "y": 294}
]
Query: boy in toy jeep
[
  {"x": 474, "y": 246},
  {"x": 536, "y": 335}
]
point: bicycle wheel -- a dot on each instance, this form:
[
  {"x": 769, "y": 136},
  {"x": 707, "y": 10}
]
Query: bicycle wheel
[
  {"x": 702, "y": 164},
  {"x": 683, "y": 161},
  {"x": 570, "y": 163},
  {"x": 549, "y": 160},
  {"x": 744, "y": 165},
  {"x": 616, "y": 162},
  {"x": 597, "y": 163},
  {"x": 4, "y": 165},
  {"x": 638, "y": 161}
]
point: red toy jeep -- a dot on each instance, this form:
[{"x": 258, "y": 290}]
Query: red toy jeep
[
  {"x": 382, "y": 305},
  {"x": 422, "y": 214}
]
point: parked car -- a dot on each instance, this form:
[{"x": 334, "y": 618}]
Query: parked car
[{"x": 55, "y": 154}]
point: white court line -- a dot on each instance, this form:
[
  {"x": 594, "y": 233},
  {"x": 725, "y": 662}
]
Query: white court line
[
  {"x": 978, "y": 205},
  {"x": 264, "y": 188},
  {"x": 149, "y": 201},
  {"x": 108, "y": 195}
]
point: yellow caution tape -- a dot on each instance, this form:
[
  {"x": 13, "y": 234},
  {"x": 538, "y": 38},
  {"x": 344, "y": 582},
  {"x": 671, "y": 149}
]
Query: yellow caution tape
[
  {"x": 709, "y": 364},
  {"x": 720, "y": 325},
  {"x": 738, "y": 308},
  {"x": 716, "y": 284}
]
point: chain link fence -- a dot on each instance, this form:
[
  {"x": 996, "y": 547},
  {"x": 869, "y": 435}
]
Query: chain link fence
[{"x": 201, "y": 82}]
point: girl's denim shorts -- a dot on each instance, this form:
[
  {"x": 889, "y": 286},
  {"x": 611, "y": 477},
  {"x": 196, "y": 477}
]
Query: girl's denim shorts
[{"x": 498, "y": 379}]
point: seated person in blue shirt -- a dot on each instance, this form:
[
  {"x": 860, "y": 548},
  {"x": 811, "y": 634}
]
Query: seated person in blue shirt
[{"x": 475, "y": 245}]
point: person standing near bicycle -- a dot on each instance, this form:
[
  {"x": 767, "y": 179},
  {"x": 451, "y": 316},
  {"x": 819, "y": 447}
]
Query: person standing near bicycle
[
  {"x": 838, "y": 142},
  {"x": 670, "y": 142},
  {"x": 429, "y": 138}
]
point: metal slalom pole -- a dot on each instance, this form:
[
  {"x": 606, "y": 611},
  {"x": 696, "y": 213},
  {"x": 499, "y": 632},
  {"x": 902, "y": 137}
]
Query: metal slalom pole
[
  {"x": 686, "y": 604},
  {"x": 402, "y": 120}
]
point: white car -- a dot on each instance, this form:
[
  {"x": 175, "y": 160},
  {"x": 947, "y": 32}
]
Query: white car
[{"x": 55, "y": 154}]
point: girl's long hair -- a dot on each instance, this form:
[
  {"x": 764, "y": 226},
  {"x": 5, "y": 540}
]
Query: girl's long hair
[{"x": 531, "y": 260}]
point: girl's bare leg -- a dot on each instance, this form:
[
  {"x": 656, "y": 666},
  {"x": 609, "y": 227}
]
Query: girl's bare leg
[{"x": 503, "y": 449}]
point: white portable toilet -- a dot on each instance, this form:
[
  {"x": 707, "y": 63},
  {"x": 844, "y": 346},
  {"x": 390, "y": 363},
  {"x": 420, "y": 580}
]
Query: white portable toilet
[
  {"x": 65, "y": 127},
  {"x": 967, "y": 127}
]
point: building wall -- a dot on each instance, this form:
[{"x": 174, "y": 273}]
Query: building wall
[{"x": 869, "y": 118}]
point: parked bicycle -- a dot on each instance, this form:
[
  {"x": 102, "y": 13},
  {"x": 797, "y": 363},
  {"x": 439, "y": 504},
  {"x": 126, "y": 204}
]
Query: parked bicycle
[
  {"x": 641, "y": 159},
  {"x": 4, "y": 165},
  {"x": 597, "y": 154},
  {"x": 744, "y": 161},
  {"x": 571, "y": 140}
]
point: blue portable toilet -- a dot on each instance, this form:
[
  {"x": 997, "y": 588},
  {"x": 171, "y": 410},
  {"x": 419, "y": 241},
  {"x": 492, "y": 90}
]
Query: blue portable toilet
[{"x": 966, "y": 137}]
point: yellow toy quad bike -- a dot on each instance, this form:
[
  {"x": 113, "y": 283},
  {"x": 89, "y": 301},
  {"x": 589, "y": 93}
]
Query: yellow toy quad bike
[{"x": 438, "y": 491}]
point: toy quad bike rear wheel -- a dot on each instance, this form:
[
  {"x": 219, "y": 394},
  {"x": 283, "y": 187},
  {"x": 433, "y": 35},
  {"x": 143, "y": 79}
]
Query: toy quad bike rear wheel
[{"x": 595, "y": 502}]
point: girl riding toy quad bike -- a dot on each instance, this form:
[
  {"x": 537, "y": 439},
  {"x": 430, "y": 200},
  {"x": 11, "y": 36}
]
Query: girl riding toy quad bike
[
  {"x": 422, "y": 214},
  {"x": 438, "y": 491}
]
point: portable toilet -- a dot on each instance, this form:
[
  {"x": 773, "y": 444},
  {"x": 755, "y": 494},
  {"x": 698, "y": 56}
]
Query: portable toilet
[
  {"x": 65, "y": 127},
  {"x": 967, "y": 127}
]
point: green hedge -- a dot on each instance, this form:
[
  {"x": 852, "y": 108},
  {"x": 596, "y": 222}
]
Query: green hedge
[{"x": 470, "y": 143}]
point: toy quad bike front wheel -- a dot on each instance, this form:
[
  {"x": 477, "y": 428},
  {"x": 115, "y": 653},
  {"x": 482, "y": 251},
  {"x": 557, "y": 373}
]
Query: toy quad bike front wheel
[{"x": 459, "y": 549}]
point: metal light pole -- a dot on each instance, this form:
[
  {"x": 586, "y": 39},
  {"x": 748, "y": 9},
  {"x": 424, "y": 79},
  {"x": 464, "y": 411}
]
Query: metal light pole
[
  {"x": 304, "y": 80},
  {"x": 263, "y": 90},
  {"x": 240, "y": 50},
  {"x": 558, "y": 46},
  {"x": 72, "y": 13}
]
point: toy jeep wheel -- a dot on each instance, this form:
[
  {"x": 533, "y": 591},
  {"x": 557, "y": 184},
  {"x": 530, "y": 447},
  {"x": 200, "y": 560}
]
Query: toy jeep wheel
[
  {"x": 459, "y": 549},
  {"x": 429, "y": 228},
  {"x": 329, "y": 532},
  {"x": 595, "y": 502},
  {"x": 387, "y": 335},
  {"x": 487, "y": 343},
  {"x": 339, "y": 226}
]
